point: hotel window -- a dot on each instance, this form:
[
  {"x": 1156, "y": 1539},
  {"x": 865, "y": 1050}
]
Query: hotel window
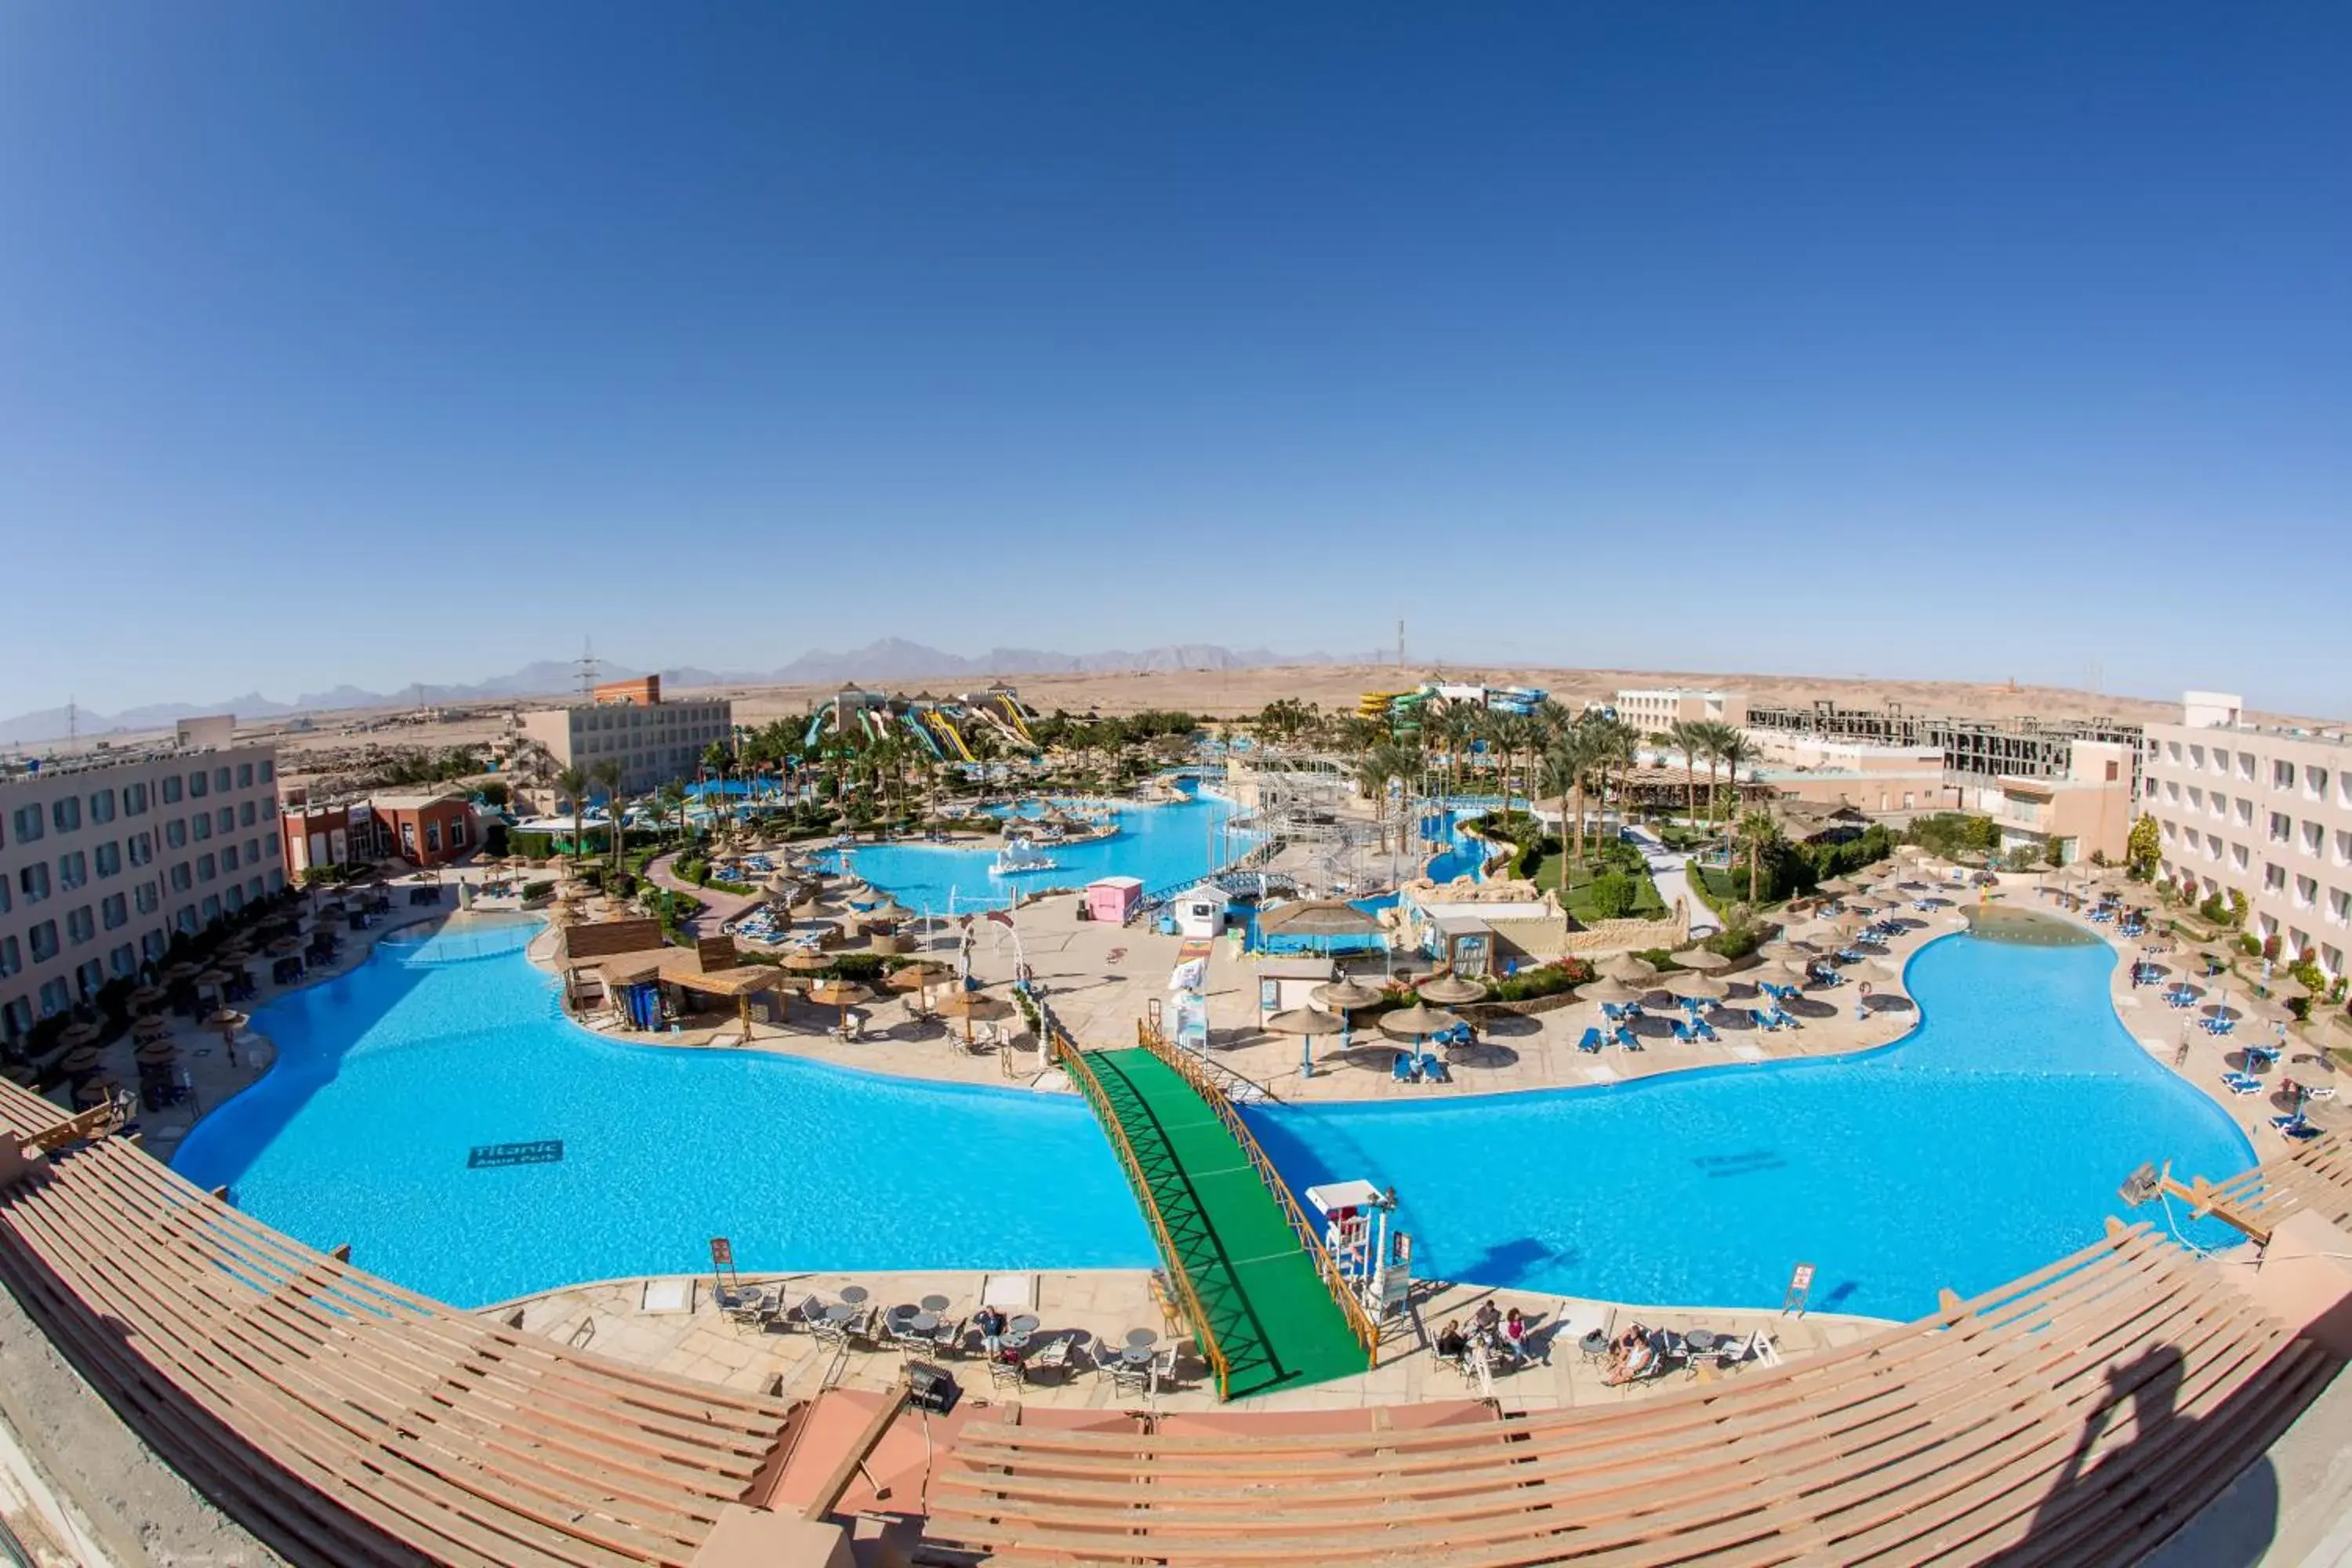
[
  {"x": 124, "y": 961},
  {"x": 185, "y": 920},
  {"x": 110, "y": 860},
  {"x": 268, "y": 770},
  {"x": 2306, "y": 892},
  {"x": 433, "y": 838},
  {"x": 28, "y": 824},
  {"x": 115, "y": 910},
  {"x": 2274, "y": 877},
  {"x": 19, "y": 1014},
  {"x": 73, "y": 870},
  {"x": 2172, "y": 791},
  {"x": 2313, "y": 836},
  {"x": 155, "y": 945},
  {"x": 134, "y": 800},
  {"x": 253, "y": 887},
  {"x": 2246, "y": 813},
  {"x": 2239, "y": 856},
  {"x": 80, "y": 925},
  {"x": 182, "y": 877},
  {"x": 2196, "y": 798},
  {"x": 56, "y": 997},
  {"x": 270, "y": 839},
  {"x": 145, "y": 897},
  {"x": 203, "y": 823},
  {"x": 2339, "y": 906},
  {"x": 212, "y": 908},
  {"x": 43, "y": 940},
  {"x": 206, "y": 868},
  {"x": 175, "y": 833},
  {"x": 245, "y": 775},
  {"x": 228, "y": 858},
  {"x": 33, "y": 882},
  {"x": 102, "y": 806},
  {"x": 2281, "y": 827},
  {"x": 198, "y": 785},
  {"x": 253, "y": 851},
  {"x": 2344, "y": 847},
  {"x": 458, "y": 834},
  {"x": 89, "y": 976},
  {"x": 143, "y": 848},
  {"x": 171, "y": 789},
  {"x": 2315, "y": 783},
  {"x": 12, "y": 957},
  {"x": 235, "y": 899},
  {"x": 2168, "y": 830},
  {"x": 2282, "y": 776},
  {"x": 220, "y": 779},
  {"x": 245, "y": 814},
  {"x": 2172, "y": 748},
  {"x": 66, "y": 812},
  {"x": 2246, "y": 765}
]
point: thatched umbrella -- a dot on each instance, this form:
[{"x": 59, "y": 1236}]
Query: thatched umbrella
[
  {"x": 1786, "y": 952},
  {"x": 157, "y": 1053},
  {"x": 211, "y": 977},
  {"x": 150, "y": 1029},
  {"x": 81, "y": 1060},
  {"x": 1306, "y": 1023},
  {"x": 807, "y": 963},
  {"x": 1626, "y": 967},
  {"x": 96, "y": 1092},
  {"x": 20, "y": 1073},
  {"x": 1838, "y": 887},
  {"x": 286, "y": 946},
  {"x": 227, "y": 1020},
  {"x": 145, "y": 997},
  {"x": 1703, "y": 959},
  {"x": 970, "y": 1006},
  {"x": 1694, "y": 986},
  {"x": 1342, "y": 995},
  {"x": 1791, "y": 971},
  {"x": 1447, "y": 989},
  {"x": 1609, "y": 988},
  {"x": 916, "y": 976},
  {"x": 1318, "y": 916},
  {"x": 77, "y": 1035},
  {"x": 1417, "y": 1023},
  {"x": 839, "y": 994}
]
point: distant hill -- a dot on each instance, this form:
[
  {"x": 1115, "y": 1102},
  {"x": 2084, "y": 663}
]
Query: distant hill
[{"x": 877, "y": 663}]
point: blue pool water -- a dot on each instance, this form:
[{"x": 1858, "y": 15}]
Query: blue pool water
[
  {"x": 1988, "y": 1142},
  {"x": 387, "y": 1078},
  {"x": 1163, "y": 845}
]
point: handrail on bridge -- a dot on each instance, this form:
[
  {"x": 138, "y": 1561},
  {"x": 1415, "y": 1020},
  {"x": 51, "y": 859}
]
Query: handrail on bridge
[
  {"x": 1359, "y": 1322},
  {"x": 1065, "y": 1051}
]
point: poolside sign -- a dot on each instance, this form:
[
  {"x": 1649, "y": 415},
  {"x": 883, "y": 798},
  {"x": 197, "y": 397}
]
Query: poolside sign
[
  {"x": 537, "y": 1152},
  {"x": 1800, "y": 1285}
]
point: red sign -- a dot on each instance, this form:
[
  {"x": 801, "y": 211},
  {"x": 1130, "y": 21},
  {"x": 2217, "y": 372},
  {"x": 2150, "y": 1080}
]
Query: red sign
[{"x": 722, "y": 1253}]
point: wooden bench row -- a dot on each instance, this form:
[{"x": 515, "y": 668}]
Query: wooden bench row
[
  {"x": 2074, "y": 1416},
  {"x": 346, "y": 1421}
]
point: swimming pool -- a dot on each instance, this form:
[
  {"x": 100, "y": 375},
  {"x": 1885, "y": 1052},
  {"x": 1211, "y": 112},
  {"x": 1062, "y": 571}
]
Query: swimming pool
[
  {"x": 1163, "y": 845},
  {"x": 388, "y": 1079},
  {"x": 1987, "y": 1142}
]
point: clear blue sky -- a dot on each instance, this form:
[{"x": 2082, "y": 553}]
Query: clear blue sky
[{"x": 1968, "y": 339}]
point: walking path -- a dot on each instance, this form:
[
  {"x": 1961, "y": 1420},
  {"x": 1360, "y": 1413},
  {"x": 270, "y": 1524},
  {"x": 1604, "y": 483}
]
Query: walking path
[
  {"x": 1667, "y": 870},
  {"x": 718, "y": 908},
  {"x": 1272, "y": 1315}
]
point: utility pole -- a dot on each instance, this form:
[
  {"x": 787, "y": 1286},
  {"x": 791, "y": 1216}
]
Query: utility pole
[
  {"x": 73, "y": 721},
  {"x": 1400, "y": 642},
  {"x": 587, "y": 665}
]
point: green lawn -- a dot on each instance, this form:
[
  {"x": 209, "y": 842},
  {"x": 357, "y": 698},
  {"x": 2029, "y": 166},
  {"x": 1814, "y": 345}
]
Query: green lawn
[{"x": 1647, "y": 905}]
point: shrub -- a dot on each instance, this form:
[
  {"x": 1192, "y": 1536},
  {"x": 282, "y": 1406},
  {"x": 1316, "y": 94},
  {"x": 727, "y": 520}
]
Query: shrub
[
  {"x": 1610, "y": 896},
  {"x": 2249, "y": 946},
  {"x": 1734, "y": 942},
  {"x": 538, "y": 889},
  {"x": 2272, "y": 946}
]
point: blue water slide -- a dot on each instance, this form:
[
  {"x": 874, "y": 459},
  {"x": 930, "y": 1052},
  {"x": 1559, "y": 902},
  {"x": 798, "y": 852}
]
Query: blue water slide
[
  {"x": 816, "y": 722},
  {"x": 922, "y": 733}
]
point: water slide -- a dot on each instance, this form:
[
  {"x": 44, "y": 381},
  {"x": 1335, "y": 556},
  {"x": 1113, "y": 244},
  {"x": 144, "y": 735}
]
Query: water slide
[
  {"x": 816, "y": 726},
  {"x": 923, "y": 734},
  {"x": 946, "y": 726}
]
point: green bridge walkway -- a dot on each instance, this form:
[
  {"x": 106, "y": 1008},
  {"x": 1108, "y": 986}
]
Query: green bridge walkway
[{"x": 1271, "y": 1314}]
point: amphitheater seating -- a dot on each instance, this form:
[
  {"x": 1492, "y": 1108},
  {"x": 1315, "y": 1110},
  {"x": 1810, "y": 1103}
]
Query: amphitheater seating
[
  {"x": 2075, "y": 1416},
  {"x": 347, "y": 1422}
]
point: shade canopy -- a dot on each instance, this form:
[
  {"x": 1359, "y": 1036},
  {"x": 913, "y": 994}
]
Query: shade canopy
[
  {"x": 1418, "y": 1022},
  {"x": 145, "y": 997},
  {"x": 806, "y": 963},
  {"x": 1785, "y": 951},
  {"x": 1450, "y": 988},
  {"x": 1346, "y": 994},
  {"x": 1706, "y": 960},
  {"x": 1628, "y": 968},
  {"x": 838, "y": 993},
  {"x": 1609, "y": 988},
  {"x": 224, "y": 1018},
  {"x": 1839, "y": 886},
  {"x": 1306, "y": 1021},
  {"x": 81, "y": 1059},
  {"x": 78, "y": 1033},
  {"x": 632, "y": 969},
  {"x": 1690, "y": 983},
  {"x": 973, "y": 1004},
  {"x": 1795, "y": 974},
  {"x": 1318, "y": 916},
  {"x": 156, "y": 1052},
  {"x": 739, "y": 981}
]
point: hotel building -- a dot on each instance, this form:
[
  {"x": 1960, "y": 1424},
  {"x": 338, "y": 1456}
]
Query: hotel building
[
  {"x": 1660, "y": 709},
  {"x": 627, "y": 721},
  {"x": 2264, "y": 812},
  {"x": 104, "y": 854}
]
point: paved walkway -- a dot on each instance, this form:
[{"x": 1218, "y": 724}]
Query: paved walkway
[
  {"x": 1667, "y": 869},
  {"x": 718, "y": 908}
]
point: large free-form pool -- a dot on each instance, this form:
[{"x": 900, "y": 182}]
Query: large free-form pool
[
  {"x": 389, "y": 1077},
  {"x": 1987, "y": 1142}
]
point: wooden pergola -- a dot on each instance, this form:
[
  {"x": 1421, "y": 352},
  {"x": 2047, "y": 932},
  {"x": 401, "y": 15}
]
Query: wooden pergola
[{"x": 739, "y": 984}]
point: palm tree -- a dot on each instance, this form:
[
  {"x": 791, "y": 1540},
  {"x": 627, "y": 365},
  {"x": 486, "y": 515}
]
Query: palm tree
[
  {"x": 1685, "y": 736},
  {"x": 572, "y": 785},
  {"x": 1569, "y": 767},
  {"x": 1759, "y": 832},
  {"x": 1374, "y": 770},
  {"x": 1732, "y": 748},
  {"x": 670, "y": 801},
  {"x": 608, "y": 773},
  {"x": 1614, "y": 745}
]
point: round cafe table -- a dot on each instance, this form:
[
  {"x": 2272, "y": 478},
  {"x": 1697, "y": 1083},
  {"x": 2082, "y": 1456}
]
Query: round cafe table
[
  {"x": 934, "y": 1303},
  {"x": 1595, "y": 1345},
  {"x": 853, "y": 1294},
  {"x": 1014, "y": 1341},
  {"x": 840, "y": 1312},
  {"x": 1135, "y": 1355},
  {"x": 924, "y": 1323},
  {"x": 1144, "y": 1338},
  {"x": 1700, "y": 1340},
  {"x": 1024, "y": 1325}
]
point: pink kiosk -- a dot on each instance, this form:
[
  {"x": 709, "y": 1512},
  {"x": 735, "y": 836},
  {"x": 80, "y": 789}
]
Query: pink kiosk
[{"x": 1114, "y": 898}]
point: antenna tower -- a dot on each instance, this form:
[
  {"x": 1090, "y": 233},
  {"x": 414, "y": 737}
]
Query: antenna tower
[
  {"x": 1400, "y": 642},
  {"x": 587, "y": 666},
  {"x": 73, "y": 720}
]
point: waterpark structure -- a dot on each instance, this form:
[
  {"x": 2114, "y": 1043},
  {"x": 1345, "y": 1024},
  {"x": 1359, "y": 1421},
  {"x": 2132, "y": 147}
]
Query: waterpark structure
[
  {"x": 944, "y": 725},
  {"x": 1403, "y": 710}
]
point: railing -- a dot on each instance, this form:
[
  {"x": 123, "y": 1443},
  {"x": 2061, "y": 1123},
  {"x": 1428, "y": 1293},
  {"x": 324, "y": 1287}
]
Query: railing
[
  {"x": 1359, "y": 1322},
  {"x": 1073, "y": 1060}
]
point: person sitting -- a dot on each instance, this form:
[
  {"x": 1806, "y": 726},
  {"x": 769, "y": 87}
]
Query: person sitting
[
  {"x": 1487, "y": 1322},
  {"x": 1635, "y": 1356},
  {"x": 989, "y": 1321},
  {"x": 1451, "y": 1344},
  {"x": 1515, "y": 1335}
]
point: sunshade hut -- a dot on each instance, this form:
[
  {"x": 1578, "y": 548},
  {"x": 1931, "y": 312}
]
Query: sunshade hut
[
  {"x": 971, "y": 1006},
  {"x": 1306, "y": 1023},
  {"x": 1417, "y": 1023},
  {"x": 1626, "y": 967},
  {"x": 1704, "y": 960},
  {"x": 741, "y": 984},
  {"x": 841, "y": 994},
  {"x": 1608, "y": 989},
  {"x": 1317, "y": 918},
  {"x": 1447, "y": 989}
]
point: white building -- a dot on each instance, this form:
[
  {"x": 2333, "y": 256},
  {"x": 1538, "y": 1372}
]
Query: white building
[
  {"x": 106, "y": 854},
  {"x": 627, "y": 721},
  {"x": 2261, "y": 811},
  {"x": 1656, "y": 710}
]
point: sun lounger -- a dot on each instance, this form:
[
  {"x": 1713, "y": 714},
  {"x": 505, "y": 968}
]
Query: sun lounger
[
  {"x": 1434, "y": 1070},
  {"x": 1591, "y": 1040},
  {"x": 2294, "y": 1126},
  {"x": 1704, "y": 1030},
  {"x": 1612, "y": 1012},
  {"x": 1404, "y": 1070},
  {"x": 1788, "y": 1020},
  {"x": 2241, "y": 1083},
  {"x": 1683, "y": 1032},
  {"x": 1764, "y": 1021},
  {"x": 2220, "y": 1026},
  {"x": 1627, "y": 1039}
]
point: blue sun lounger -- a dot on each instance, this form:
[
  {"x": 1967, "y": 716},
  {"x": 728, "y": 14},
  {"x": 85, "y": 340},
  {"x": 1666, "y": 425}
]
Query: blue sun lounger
[
  {"x": 1591, "y": 1041},
  {"x": 1628, "y": 1039},
  {"x": 1703, "y": 1029},
  {"x": 1683, "y": 1032},
  {"x": 1768, "y": 1022},
  {"x": 2241, "y": 1083},
  {"x": 2294, "y": 1126},
  {"x": 1434, "y": 1070},
  {"x": 1404, "y": 1071},
  {"x": 1785, "y": 1021}
]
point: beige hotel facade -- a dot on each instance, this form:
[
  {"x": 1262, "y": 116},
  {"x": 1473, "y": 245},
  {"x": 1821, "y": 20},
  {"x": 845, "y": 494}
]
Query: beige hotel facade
[{"x": 2259, "y": 810}]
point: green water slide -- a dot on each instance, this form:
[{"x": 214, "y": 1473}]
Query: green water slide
[{"x": 1271, "y": 1316}]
